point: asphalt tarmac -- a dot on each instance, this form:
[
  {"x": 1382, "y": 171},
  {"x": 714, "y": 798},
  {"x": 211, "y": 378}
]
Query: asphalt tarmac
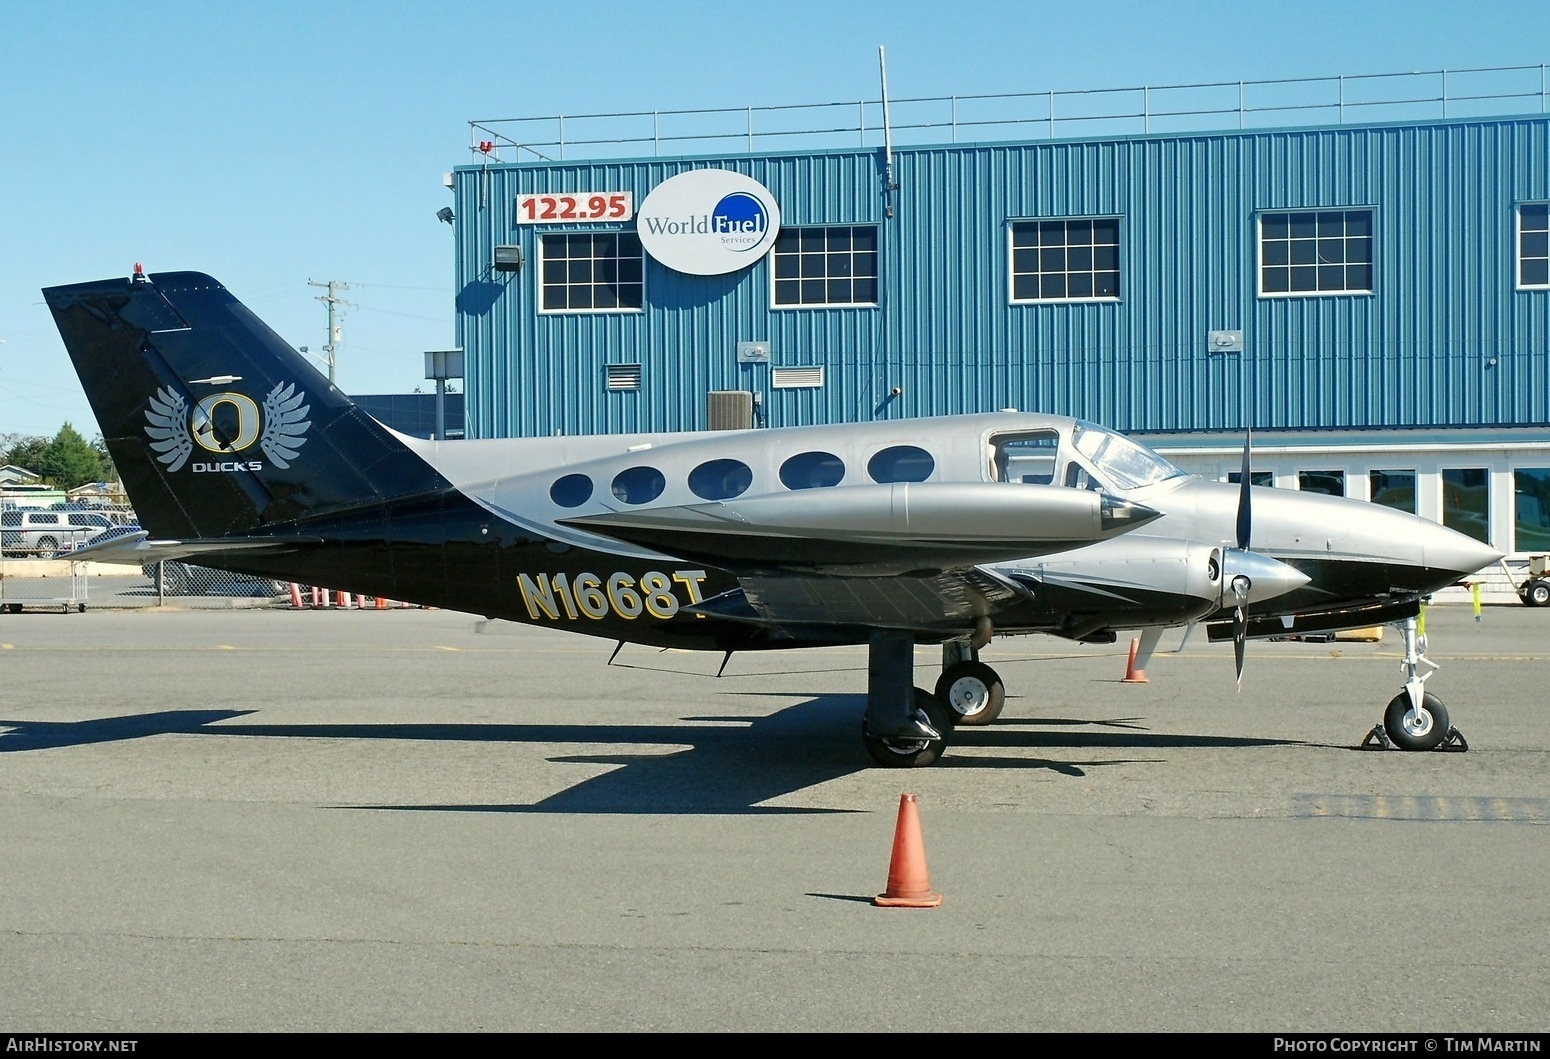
[{"x": 412, "y": 820}]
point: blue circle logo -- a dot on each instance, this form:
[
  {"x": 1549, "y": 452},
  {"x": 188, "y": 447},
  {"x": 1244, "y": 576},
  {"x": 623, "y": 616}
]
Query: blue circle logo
[{"x": 740, "y": 220}]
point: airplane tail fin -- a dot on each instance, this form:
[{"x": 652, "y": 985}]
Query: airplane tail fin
[{"x": 216, "y": 425}]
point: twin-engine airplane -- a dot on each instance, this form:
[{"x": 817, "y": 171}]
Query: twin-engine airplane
[{"x": 948, "y": 530}]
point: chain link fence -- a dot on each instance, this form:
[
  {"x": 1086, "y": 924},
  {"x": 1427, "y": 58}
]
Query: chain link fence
[{"x": 59, "y": 584}]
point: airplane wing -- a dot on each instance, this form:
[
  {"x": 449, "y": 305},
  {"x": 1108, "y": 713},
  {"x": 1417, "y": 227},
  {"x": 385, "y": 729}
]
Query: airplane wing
[
  {"x": 927, "y": 601},
  {"x": 917, "y": 529}
]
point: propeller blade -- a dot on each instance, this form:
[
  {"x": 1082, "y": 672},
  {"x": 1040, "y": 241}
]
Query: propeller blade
[
  {"x": 1244, "y": 519},
  {"x": 1239, "y": 639}
]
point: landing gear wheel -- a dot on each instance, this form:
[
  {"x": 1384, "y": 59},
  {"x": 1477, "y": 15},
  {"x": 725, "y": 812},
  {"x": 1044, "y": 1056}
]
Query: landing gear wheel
[
  {"x": 914, "y": 753},
  {"x": 972, "y": 692},
  {"x": 1537, "y": 593},
  {"x": 1424, "y": 731}
]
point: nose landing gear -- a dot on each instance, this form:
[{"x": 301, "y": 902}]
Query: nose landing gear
[{"x": 1415, "y": 719}]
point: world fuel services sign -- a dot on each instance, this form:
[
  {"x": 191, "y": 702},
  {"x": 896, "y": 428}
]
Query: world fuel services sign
[{"x": 708, "y": 222}]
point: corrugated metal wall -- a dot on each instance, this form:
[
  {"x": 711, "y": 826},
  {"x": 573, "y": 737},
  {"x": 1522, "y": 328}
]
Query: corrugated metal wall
[{"x": 1444, "y": 340}]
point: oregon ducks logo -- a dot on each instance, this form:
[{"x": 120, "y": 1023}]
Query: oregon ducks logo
[{"x": 227, "y": 424}]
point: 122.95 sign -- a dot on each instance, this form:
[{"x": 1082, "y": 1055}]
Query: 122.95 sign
[{"x": 563, "y": 209}]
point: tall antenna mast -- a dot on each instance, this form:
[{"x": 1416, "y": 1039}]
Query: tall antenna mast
[{"x": 889, "y": 186}]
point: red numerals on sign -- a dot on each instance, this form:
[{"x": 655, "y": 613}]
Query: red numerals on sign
[{"x": 538, "y": 209}]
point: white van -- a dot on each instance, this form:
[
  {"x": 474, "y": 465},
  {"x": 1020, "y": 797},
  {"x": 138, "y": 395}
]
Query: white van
[{"x": 45, "y": 534}]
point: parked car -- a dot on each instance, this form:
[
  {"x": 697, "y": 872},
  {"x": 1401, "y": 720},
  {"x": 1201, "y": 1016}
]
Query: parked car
[{"x": 45, "y": 534}]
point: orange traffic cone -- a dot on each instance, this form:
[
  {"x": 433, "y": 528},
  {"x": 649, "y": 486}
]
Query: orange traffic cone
[
  {"x": 908, "y": 884},
  {"x": 1132, "y": 674}
]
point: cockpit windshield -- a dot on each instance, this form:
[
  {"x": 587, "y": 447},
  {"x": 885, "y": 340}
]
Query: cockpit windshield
[{"x": 1123, "y": 463}]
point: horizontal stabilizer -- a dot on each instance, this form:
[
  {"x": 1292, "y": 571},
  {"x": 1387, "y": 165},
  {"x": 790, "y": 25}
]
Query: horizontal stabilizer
[
  {"x": 139, "y": 548},
  {"x": 877, "y": 529}
]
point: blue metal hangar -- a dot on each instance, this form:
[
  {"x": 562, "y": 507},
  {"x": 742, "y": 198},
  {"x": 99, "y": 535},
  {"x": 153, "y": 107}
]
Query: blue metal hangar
[{"x": 1357, "y": 269}]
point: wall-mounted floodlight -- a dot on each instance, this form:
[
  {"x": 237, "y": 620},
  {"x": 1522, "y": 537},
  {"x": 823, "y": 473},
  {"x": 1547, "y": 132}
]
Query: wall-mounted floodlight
[
  {"x": 508, "y": 259},
  {"x": 444, "y": 215}
]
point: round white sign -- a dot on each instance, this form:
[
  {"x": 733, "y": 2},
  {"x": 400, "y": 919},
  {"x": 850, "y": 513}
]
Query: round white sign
[{"x": 708, "y": 222}]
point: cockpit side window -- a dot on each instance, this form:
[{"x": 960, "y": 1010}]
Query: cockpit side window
[{"x": 1027, "y": 458}]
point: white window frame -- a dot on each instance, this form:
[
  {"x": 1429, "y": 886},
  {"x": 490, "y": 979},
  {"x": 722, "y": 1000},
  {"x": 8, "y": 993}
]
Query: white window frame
[
  {"x": 1517, "y": 249},
  {"x": 542, "y": 261},
  {"x": 877, "y": 275},
  {"x": 1011, "y": 259},
  {"x": 1342, "y": 292}
]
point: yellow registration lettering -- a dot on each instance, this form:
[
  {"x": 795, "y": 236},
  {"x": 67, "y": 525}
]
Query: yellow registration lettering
[
  {"x": 539, "y": 596},
  {"x": 658, "y": 592},
  {"x": 589, "y": 595},
  {"x": 691, "y": 579},
  {"x": 621, "y": 593}
]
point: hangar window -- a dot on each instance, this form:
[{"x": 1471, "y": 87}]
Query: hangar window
[
  {"x": 1531, "y": 501},
  {"x": 639, "y": 485},
  {"x": 812, "y": 470},
  {"x": 720, "y": 479},
  {"x": 571, "y": 491},
  {"x": 599, "y": 272},
  {"x": 1534, "y": 245},
  {"x": 901, "y": 463},
  {"x": 826, "y": 266},
  {"x": 1065, "y": 260},
  {"x": 1466, "y": 501},
  {"x": 1264, "y": 478},
  {"x": 1312, "y": 253},
  {"x": 1331, "y": 483},
  {"x": 1395, "y": 489}
]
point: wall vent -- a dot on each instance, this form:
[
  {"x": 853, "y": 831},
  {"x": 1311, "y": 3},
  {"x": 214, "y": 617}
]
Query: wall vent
[
  {"x": 624, "y": 376},
  {"x": 796, "y": 378}
]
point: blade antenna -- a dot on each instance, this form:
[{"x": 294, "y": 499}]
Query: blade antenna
[
  {"x": 617, "y": 648},
  {"x": 724, "y": 662}
]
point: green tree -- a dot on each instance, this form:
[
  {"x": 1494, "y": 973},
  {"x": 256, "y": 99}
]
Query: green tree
[
  {"x": 22, "y": 451},
  {"x": 69, "y": 460},
  {"x": 109, "y": 472}
]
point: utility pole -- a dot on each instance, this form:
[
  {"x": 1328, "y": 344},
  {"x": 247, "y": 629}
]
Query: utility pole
[{"x": 335, "y": 332}]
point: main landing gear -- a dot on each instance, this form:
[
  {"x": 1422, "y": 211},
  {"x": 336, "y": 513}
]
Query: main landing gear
[
  {"x": 1415, "y": 719},
  {"x": 908, "y": 727}
]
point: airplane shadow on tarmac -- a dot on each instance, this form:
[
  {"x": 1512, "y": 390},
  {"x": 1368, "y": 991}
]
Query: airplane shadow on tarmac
[{"x": 731, "y": 766}]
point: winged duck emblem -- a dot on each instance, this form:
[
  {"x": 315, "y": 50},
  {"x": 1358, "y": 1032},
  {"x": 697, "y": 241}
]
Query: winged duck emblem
[
  {"x": 285, "y": 421},
  {"x": 167, "y": 426}
]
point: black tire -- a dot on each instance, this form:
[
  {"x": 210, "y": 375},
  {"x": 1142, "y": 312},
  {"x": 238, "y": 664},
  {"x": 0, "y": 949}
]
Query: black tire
[
  {"x": 972, "y": 692},
  {"x": 1537, "y": 593},
  {"x": 1425, "y": 732},
  {"x": 914, "y": 755},
  {"x": 48, "y": 547},
  {"x": 13, "y": 608}
]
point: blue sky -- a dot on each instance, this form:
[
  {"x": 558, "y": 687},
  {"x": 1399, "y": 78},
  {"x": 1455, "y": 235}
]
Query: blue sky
[{"x": 270, "y": 144}]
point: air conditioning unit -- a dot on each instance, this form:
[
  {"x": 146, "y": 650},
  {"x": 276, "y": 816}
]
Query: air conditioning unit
[{"x": 729, "y": 409}]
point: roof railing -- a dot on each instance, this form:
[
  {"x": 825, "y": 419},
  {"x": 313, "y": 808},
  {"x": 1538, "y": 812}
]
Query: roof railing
[{"x": 1414, "y": 95}]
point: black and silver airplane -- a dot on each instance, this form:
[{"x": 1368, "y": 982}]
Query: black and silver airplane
[{"x": 949, "y": 530}]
